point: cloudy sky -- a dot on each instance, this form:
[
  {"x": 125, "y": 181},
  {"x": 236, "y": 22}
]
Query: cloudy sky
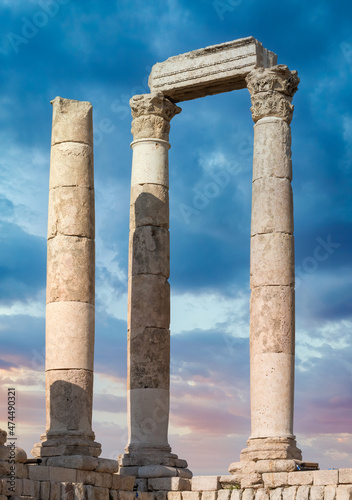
[{"x": 103, "y": 52}]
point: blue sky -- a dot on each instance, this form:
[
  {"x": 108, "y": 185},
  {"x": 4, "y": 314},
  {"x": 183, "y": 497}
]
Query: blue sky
[{"x": 103, "y": 52}]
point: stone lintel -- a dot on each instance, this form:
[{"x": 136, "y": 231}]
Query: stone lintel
[{"x": 211, "y": 70}]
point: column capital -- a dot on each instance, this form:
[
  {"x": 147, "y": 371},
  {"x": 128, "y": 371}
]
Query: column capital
[
  {"x": 272, "y": 90},
  {"x": 151, "y": 115}
]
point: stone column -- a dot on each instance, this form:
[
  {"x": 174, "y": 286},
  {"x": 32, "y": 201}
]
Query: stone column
[
  {"x": 149, "y": 291},
  {"x": 272, "y": 317},
  {"x": 70, "y": 285}
]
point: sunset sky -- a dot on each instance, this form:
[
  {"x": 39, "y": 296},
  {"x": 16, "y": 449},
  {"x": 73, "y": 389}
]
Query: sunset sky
[{"x": 103, "y": 52}]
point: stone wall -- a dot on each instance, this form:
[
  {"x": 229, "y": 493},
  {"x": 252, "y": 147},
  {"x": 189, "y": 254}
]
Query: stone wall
[{"x": 58, "y": 483}]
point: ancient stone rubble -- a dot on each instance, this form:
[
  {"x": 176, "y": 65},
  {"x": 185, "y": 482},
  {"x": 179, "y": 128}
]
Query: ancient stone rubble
[{"x": 68, "y": 466}]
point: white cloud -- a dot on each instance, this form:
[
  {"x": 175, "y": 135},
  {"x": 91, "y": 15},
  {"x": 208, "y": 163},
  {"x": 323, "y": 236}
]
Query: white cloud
[
  {"x": 206, "y": 311},
  {"x": 24, "y": 180}
]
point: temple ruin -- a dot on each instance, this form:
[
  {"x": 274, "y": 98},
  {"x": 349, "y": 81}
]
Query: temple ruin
[{"x": 68, "y": 464}]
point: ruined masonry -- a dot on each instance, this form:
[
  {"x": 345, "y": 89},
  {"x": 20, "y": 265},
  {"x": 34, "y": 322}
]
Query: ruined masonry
[{"x": 68, "y": 464}]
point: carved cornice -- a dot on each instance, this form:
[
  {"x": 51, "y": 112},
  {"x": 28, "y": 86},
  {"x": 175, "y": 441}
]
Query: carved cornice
[
  {"x": 151, "y": 115},
  {"x": 272, "y": 90}
]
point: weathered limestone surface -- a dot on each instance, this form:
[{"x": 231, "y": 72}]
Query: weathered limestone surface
[
  {"x": 148, "y": 453},
  {"x": 70, "y": 285},
  {"x": 272, "y": 328},
  {"x": 214, "y": 69}
]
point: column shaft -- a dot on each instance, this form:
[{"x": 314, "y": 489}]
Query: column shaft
[
  {"x": 272, "y": 327},
  {"x": 70, "y": 285},
  {"x": 149, "y": 290}
]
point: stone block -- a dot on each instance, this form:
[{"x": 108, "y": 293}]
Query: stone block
[
  {"x": 67, "y": 491},
  {"x": 4, "y": 453},
  {"x": 248, "y": 494},
  {"x": 289, "y": 493},
  {"x": 71, "y": 165},
  {"x": 72, "y": 393},
  {"x": 205, "y": 483},
  {"x": 272, "y": 311},
  {"x": 263, "y": 466},
  {"x": 208, "y": 71},
  {"x": 276, "y": 494},
  {"x": 300, "y": 478},
  {"x": 149, "y": 359},
  {"x": 90, "y": 492},
  {"x": 344, "y": 492},
  {"x": 72, "y": 121},
  {"x": 149, "y": 251},
  {"x": 262, "y": 494},
  {"x": 185, "y": 473},
  {"x": 275, "y": 479},
  {"x": 141, "y": 484},
  {"x": 317, "y": 493},
  {"x": 252, "y": 480},
  {"x": 160, "y": 495},
  {"x": 114, "y": 495},
  {"x": 345, "y": 476},
  {"x": 224, "y": 494},
  {"x": 330, "y": 492},
  {"x": 80, "y": 462},
  {"x": 126, "y": 495},
  {"x": 125, "y": 483},
  {"x": 209, "y": 495},
  {"x": 191, "y": 495},
  {"x": 28, "y": 487},
  {"x": 79, "y": 492},
  {"x": 70, "y": 269},
  {"x": 3, "y": 437},
  {"x": 103, "y": 479},
  {"x": 180, "y": 463},
  {"x": 174, "y": 495},
  {"x": 272, "y": 149},
  {"x": 44, "y": 490},
  {"x": 236, "y": 494},
  {"x": 62, "y": 474},
  {"x": 8, "y": 488},
  {"x": 71, "y": 212},
  {"x": 70, "y": 332},
  {"x": 55, "y": 488},
  {"x": 21, "y": 471},
  {"x": 149, "y": 206},
  {"x": 272, "y": 260},
  {"x": 230, "y": 481},
  {"x": 272, "y": 206},
  {"x": 271, "y": 377},
  {"x": 158, "y": 471},
  {"x": 303, "y": 493},
  {"x": 149, "y": 425},
  {"x": 129, "y": 471},
  {"x": 144, "y": 495},
  {"x": 169, "y": 484},
  {"x": 4, "y": 469},
  {"x": 107, "y": 465},
  {"x": 101, "y": 493},
  {"x": 154, "y": 312},
  {"x": 86, "y": 477},
  {"x": 150, "y": 155},
  {"x": 324, "y": 477}
]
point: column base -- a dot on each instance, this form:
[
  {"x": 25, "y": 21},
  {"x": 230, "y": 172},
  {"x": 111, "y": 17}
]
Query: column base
[
  {"x": 279, "y": 454},
  {"x": 54, "y": 444},
  {"x": 152, "y": 461}
]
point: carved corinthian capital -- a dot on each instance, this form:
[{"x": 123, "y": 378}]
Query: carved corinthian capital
[
  {"x": 272, "y": 90},
  {"x": 151, "y": 116}
]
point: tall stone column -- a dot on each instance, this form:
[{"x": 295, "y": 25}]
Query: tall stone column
[
  {"x": 70, "y": 285},
  {"x": 149, "y": 292},
  {"x": 272, "y": 316}
]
